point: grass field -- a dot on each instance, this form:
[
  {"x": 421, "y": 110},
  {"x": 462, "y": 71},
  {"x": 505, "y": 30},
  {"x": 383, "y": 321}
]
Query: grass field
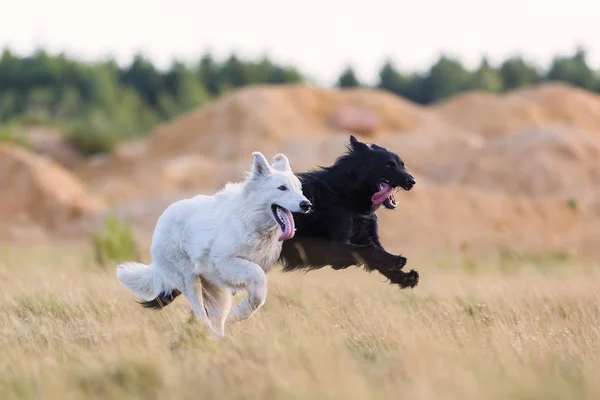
[{"x": 524, "y": 331}]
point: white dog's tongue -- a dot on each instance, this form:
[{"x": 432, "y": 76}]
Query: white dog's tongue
[
  {"x": 382, "y": 195},
  {"x": 290, "y": 227}
]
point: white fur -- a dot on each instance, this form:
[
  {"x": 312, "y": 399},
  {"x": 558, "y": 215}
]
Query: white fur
[{"x": 229, "y": 240}]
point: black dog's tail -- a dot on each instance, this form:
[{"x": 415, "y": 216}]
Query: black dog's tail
[{"x": 161, "y": 301}]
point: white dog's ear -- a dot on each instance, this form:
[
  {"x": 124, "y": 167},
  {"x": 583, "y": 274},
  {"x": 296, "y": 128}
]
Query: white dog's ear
[
  {"x": 260, "y": 166},
  {"x": 281, "y": 163}
]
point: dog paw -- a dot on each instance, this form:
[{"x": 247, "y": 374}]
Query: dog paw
[
  {"x": 404, "y": 279},
  {"x": 400, "y": 262},
  {"x": 411, "y": 279}
]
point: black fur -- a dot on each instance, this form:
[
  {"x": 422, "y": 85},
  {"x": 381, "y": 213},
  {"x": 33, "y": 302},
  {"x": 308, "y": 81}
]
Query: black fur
[
  {"x": 162, "y": 300},
  {"x": 342, "y": 229}
]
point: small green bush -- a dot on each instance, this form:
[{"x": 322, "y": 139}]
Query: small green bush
[
  {"x": 115, "y": 243},
  {"x": 573, "y": 204},
  {"x": 92, "y": 139}
]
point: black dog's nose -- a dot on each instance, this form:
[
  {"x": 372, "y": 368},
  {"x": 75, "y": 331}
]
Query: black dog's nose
[
  {"x": 305, "y": 206},
  {"x": 409, "y": 183}
]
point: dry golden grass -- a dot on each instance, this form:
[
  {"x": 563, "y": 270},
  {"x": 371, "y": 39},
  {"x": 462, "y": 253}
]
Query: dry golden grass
[{"x": 69, "y": 331}]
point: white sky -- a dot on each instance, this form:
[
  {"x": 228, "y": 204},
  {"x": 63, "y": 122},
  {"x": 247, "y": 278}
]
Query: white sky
[{"x": 320, "y": 37}]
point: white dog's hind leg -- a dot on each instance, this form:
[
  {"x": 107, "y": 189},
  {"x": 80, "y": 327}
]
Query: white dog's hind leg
[
  {"x": 218, "y": 304},
  {"x": 190, "y": 292},
  {"x": 245, "y": 274}
]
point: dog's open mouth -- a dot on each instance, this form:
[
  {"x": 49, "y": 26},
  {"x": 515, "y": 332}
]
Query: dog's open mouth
[
  {"x": 285, "y": 219},
  {"x": 384, "y": 196}
]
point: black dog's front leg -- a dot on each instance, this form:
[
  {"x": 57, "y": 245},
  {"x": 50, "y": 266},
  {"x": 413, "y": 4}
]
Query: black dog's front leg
[
  {"x": 366, "y": 234},
  {"x": 314, "y": 253}
]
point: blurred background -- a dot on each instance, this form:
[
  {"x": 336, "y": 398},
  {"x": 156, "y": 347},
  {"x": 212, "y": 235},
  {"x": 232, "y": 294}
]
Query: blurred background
[{"x": 111, "y": 110}]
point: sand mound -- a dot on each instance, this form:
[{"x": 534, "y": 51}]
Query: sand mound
[
  {"x": 430, "y": 156},
  {"x": 310, "y": 123},
  {"x": 38, "y": 192},
  {"x": 497, "y": 115},
  {"x": 187, "y": 172},
  {"x": 265, "y": 118},
  {"x": 508, "y": 164},
  {"x": 54, "y": 145},
  {"x": 553, "y": 161},
  {"x": 447, "y": 219},
  {"x": 268, "y": 116}
]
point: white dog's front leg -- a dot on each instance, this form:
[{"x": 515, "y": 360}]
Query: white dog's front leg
[{"x": 240, "y": 273}]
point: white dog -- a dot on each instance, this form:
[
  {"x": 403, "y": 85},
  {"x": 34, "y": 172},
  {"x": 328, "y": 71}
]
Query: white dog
[{"x": 231, "y": 240}]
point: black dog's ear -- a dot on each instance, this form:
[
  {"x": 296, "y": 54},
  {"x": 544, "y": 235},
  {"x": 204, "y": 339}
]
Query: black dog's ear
[
  {"x": 356, "y": 145},
  {"x": 375, "y": 147}
]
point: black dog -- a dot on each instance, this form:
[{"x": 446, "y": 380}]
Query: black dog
[{"x": 342, "y": 229}]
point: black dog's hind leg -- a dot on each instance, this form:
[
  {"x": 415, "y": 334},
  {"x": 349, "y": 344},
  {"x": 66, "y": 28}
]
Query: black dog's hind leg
[{"x": 314, "y": 253}]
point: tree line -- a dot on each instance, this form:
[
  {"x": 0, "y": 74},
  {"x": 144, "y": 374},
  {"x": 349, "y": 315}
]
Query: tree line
[
  {"x": 448, "y": 77},
  {"x": 101, "y": 103}
]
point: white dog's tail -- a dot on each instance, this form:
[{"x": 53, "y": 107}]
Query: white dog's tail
[{"x": 144, "y": 281}]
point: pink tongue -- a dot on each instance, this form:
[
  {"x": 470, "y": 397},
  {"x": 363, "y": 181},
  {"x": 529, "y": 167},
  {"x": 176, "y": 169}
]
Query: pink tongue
[
  {"x": 382, "y": 195},
  {"x": 290, "y": 227}
]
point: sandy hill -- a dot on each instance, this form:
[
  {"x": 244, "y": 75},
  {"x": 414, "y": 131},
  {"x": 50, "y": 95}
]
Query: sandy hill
[
  {"x": 448, "y": 218},
  {"x": 495, "y": 115},
  {"x": 38, "y": 194},
  {"x": 206, "y": 147},
  {"x": 268, "y": 116},
  {"x": 549, "y": 161},
  {"x": 493, "y": 171},
  {"x": 54, "y": 145},
  {"x": 184, "y": 152},
  {"x": 433, "y": 155},
  {"x": 271, "y": 116}
]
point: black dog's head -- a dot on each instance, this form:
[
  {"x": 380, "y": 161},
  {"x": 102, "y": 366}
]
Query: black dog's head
[{"x": 376, "y": 172}]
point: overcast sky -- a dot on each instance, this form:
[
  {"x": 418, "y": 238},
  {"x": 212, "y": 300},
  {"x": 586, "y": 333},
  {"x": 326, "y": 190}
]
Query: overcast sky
[{"x": 320, "y": 37}]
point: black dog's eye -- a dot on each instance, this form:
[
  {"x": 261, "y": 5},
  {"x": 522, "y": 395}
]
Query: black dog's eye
[
  {"x": 282, "y": 187},
  {"x": 391, "y": 164}
]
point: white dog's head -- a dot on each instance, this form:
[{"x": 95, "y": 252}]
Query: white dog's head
[{"x": 280, "y": 190}]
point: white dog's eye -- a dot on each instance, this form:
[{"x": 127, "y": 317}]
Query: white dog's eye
[{"x": 282, "y": 187}]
